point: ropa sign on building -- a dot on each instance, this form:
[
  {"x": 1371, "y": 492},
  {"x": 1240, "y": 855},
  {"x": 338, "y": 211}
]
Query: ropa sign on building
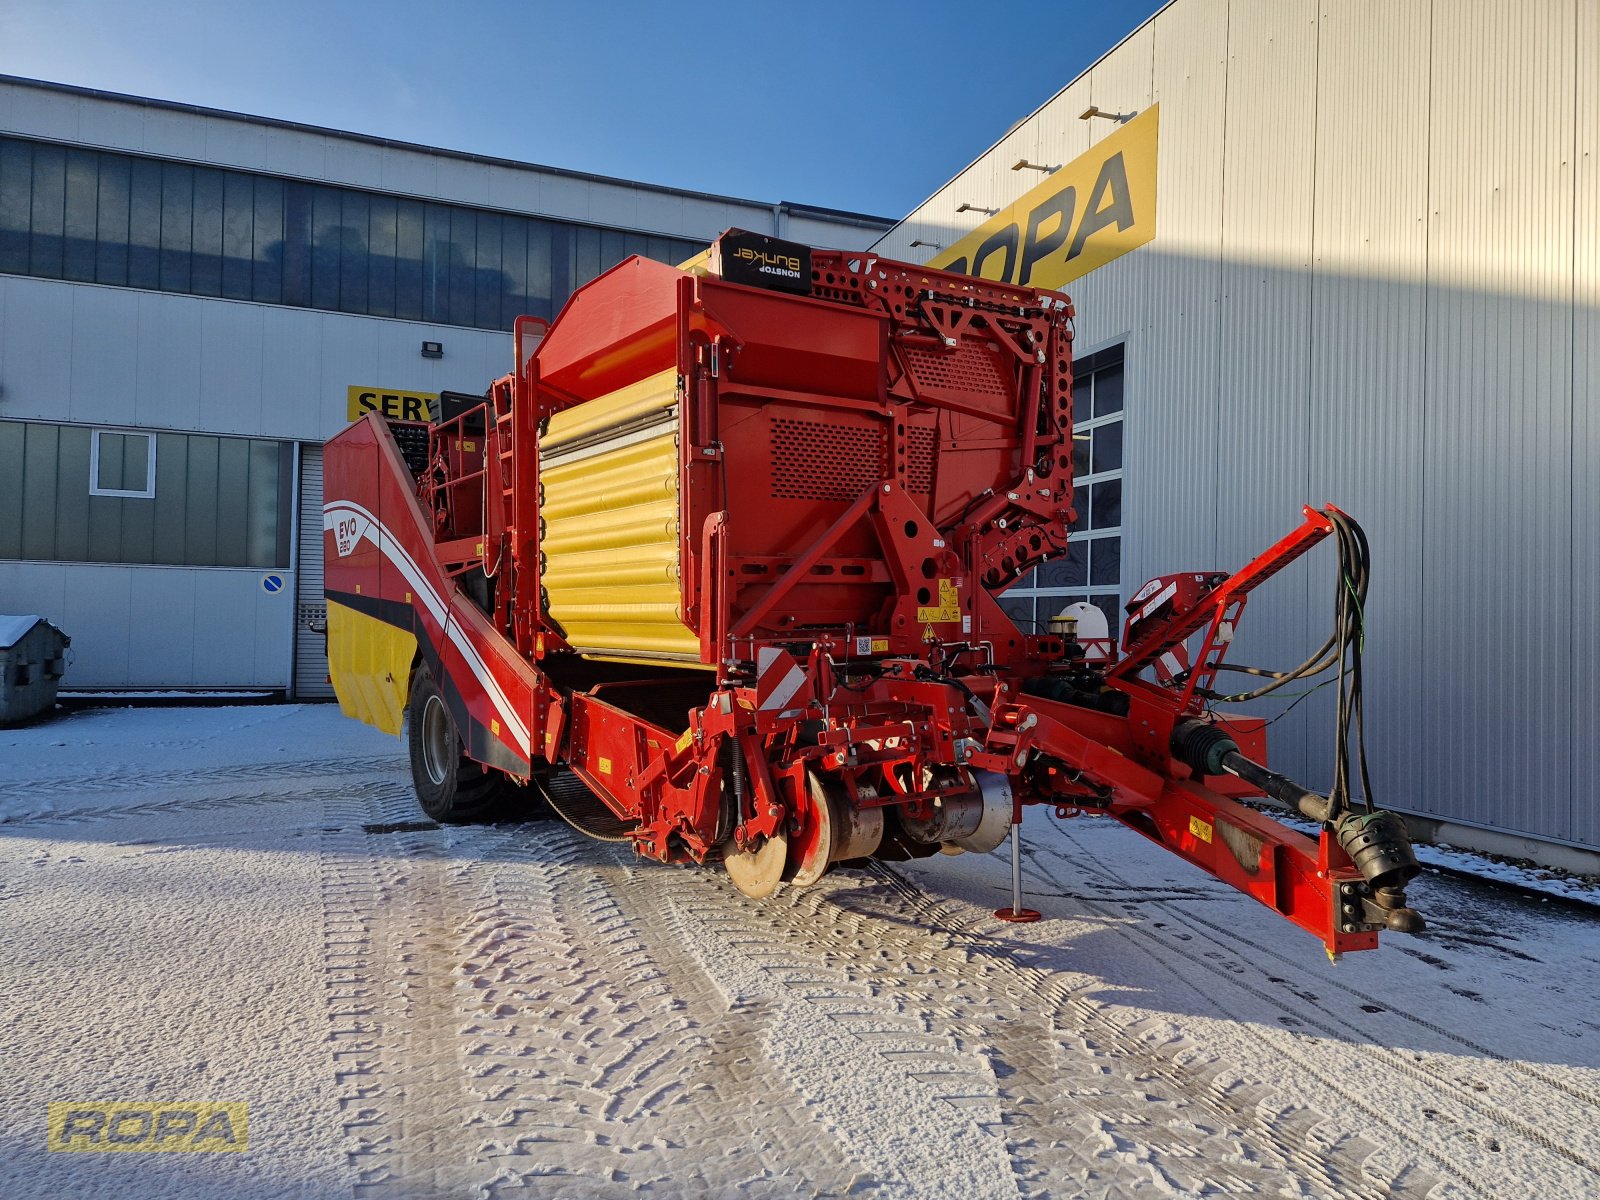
[{"x": 1099, "y": 206}]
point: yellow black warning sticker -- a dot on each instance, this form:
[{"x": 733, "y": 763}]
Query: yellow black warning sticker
[
  {"x": 948, "y": 608},
  {"x": 1200, "y": 829}
]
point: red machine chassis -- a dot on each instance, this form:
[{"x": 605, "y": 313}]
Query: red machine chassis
[{"x": 930, "y": 700}]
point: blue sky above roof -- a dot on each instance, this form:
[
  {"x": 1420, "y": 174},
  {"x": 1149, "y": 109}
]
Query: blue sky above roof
[{"x": 862, "y": 106}]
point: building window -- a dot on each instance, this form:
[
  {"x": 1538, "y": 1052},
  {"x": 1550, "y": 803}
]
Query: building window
[
  {"x": 164, "y": 499},
  {"x": 122, "y": 464},
  {"x": 1091, "y": 570},
  {"x": 92, "y": 216}
]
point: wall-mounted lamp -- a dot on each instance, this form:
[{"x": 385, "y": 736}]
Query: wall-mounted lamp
[
  {"x": 1024, "y": 164},
  {"x": 432, "y": 349},
  {"x": 1095, "y": 110},
  {"x": 976, "y": 208},
  {"x": 930, "y": 245}
]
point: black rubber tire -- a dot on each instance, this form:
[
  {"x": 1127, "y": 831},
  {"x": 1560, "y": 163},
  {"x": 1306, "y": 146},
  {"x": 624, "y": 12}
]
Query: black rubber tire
[{"x": 452, "y": 788}]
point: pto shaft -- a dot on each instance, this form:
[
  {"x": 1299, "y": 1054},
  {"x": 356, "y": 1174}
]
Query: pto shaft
[{"x": 1376, "y": 841}]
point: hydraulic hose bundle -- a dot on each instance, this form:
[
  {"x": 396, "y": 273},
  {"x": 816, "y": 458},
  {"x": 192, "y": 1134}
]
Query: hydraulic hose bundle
[
  {"x": 1341, "y": 652},
  {"x": 1375, "y": 840}
]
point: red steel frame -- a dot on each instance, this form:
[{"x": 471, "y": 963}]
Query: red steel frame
[{"x": 914, "y": 676}]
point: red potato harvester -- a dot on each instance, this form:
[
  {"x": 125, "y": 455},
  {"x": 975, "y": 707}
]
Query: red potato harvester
[{"x": 716, "y": 570}]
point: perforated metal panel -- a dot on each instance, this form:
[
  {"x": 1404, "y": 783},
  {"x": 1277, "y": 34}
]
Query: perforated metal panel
[
  {"x": 971, "y": 369},
  {"x": 311, "y": 610},
  {"x": 815, "y": 461},
  {"x": 919, "y": 460}
]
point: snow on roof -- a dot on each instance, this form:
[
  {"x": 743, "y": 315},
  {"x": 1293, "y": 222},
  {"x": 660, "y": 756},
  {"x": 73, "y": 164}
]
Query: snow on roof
[{"x": 14, "y": 629}]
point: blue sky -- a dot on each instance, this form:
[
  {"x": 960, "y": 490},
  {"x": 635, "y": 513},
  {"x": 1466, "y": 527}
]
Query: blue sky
[{"x": 868, "y": 105}]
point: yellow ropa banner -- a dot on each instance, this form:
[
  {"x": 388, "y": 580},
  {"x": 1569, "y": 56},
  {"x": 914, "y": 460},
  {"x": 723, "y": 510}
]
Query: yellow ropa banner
[
  {"x": 176, "y": 1125},
  {"x": 1096, "y": 208}
]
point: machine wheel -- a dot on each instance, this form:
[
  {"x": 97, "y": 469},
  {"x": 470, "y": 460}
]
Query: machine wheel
[
  {"x": 451, "y": 787},
  {"x": 811, "y": 847},
  {"x": 758, "y": 872},
  {"x": 829, "y": 830}
]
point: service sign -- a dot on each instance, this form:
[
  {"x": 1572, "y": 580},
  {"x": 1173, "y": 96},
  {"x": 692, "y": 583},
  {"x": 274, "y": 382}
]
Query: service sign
[
  {"x": 396, "y": 405},
  {"x": 1098, "y": 207}
]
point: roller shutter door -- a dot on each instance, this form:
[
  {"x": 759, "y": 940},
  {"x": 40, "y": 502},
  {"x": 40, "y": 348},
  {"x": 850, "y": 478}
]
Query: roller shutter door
[{"x": 311, "y": 610}]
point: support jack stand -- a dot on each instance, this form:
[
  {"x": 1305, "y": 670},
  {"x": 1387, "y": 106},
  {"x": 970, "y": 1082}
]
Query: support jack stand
[{"x": 1016, "y": 914}]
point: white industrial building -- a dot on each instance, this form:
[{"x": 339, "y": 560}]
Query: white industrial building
[
  {"x": 1354, "y": 257},
  {"x": 192, "y": 301}
]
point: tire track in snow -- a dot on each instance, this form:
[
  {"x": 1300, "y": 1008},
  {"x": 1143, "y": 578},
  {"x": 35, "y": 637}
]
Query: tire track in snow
[
  {"x": 518, "y": 1007},
  {"x": 911, "y": 1103},
  {"x": 1264, "y": 1143},
  {"x": 392, "y": 915},
  {"x": 500, "y": 1021},
  {"x": 606, "y": 1063},
  {"x": 57, "y": 784},
  {"x": 203, "y": 804},
  {"x": 1332, "y": 1023},
  {"x": 1100, "y": 1106},
  {"x": 1471, "y": 1169},
  {"x": 356, "y": 890},
  {"x": 1572, "y": 1091},
  {"x": 1157, "y": 1123}
]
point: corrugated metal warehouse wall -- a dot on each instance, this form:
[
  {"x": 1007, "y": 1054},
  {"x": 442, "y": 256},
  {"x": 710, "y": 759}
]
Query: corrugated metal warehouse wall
[{"x": 1375, "y": 280}]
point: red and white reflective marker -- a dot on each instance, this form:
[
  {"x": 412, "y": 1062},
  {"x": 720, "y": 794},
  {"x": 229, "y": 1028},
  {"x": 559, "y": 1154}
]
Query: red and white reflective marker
[{"x": 781, "y": 682}]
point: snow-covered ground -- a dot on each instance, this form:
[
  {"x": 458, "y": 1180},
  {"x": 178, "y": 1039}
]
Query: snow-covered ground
[{"x": 243, "y": 904}]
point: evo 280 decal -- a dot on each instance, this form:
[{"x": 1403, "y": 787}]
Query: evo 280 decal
[{"x": 367, "y": 527}]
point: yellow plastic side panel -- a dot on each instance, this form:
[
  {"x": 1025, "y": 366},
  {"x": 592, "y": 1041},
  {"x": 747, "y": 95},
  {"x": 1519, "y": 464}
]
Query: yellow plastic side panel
[
  {"x": 603, "y": 568},
  {"x": 653, "y": 394},
  {"x": 610, "y": 547},
  {"x": 370, "y": 663},
  {"x": 618, "y": 478}
]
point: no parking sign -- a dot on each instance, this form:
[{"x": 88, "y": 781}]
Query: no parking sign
[{"x": 271, "y": 583}]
